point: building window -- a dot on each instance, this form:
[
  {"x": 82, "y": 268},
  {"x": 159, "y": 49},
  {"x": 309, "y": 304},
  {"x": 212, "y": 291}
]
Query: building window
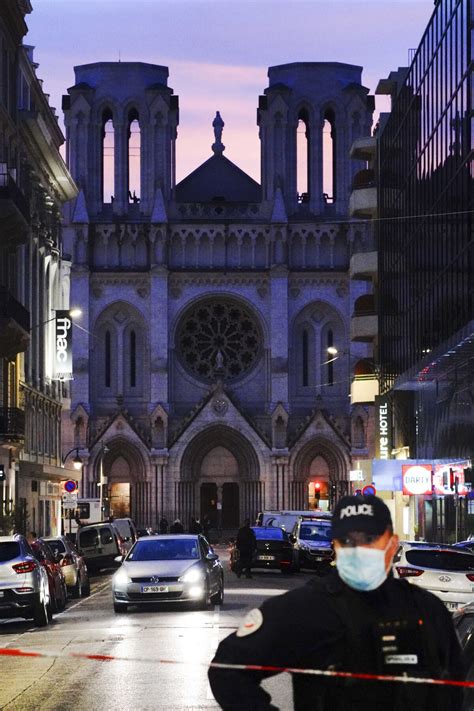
[
  {"x": 108, "y": 156},
  {"x": 304, "y": 356},
  {"x": 359, "y": 433},
  {"x": 329, "y": 157},
  {"x": 133, "y": 359},
  {"x": 134, "y": 147},
  {"x": 108, "y": 358},
  {"x": 302, "y": 157},
  {"x": 330, "y": 364}
]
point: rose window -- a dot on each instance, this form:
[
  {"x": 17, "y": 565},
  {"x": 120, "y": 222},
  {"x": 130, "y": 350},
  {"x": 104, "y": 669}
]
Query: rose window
[{"x": 218, "y": 339}]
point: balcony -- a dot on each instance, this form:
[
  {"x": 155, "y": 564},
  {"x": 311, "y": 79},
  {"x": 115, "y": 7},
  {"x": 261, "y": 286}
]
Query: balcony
[
  {"x": 14, "y": 326},
  {"x": 14, "y": 207},
  {"x": 363, "y": 266},
  {"x": 12, "y": 425},
  {"x": 364, "y": 148},
  {"x": 363, "y": 199},
  {"x": 364, "y": 321}
]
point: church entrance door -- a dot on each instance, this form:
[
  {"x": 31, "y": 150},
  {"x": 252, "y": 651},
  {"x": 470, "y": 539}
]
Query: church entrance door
[
  {"x": 230, "y": 505},
  {"x": 119, "y": 493},
  {"x": 209, "y": 503}
]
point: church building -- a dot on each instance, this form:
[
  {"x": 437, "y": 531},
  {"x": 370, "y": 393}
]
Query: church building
[{"x": 213, "y": 361}]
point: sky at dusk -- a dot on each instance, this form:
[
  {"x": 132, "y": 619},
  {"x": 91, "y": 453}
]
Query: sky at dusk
[{"x": 218, "y": 52}]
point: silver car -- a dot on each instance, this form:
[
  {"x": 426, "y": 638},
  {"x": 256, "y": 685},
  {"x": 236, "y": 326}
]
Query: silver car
[
  {"x": 24, "y": 587},
  {"x": 179, "y": 568}
]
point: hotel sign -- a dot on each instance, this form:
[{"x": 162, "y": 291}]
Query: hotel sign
[
  {"x": 383, "y": 427},
  {"x": 62, "y": 369}
]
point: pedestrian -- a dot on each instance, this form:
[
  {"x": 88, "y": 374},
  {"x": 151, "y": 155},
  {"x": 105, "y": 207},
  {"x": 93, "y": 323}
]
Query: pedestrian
[
  {"x": 246, "y": 544},
  {"x": 195, "y": 526},
  {"x": 163, "y": 525},
  {"x": 176, "y": 526},
  {"x": 31, "y": 536},
  {"x": 359, "y": 619}
]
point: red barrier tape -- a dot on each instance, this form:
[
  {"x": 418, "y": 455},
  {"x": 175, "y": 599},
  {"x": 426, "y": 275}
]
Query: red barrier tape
[{"x": 8, "y": 652}]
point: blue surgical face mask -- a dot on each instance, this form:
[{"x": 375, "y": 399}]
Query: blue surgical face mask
[{"x": 362, "y": 568}]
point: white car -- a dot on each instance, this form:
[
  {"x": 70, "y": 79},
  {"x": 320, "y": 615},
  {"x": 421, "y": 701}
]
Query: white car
[
  {"x": 443, "y": 570},
  {"x": 24, "y": 586},
  {"x": 169, "y": 568}
]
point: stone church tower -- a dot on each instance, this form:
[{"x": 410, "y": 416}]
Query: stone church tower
[{"x": 203, "y": 381}]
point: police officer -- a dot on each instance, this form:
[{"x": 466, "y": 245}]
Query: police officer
[{"x": 358, "y": 618}]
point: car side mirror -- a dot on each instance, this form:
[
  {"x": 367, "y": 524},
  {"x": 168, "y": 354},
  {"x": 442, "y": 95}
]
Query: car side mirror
[{"x": 212, "y": 556}]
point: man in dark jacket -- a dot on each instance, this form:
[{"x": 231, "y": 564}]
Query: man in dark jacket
[
  {"x": 246, "y": 543},
  {"x": 356, "y": 619},
  {"x": 176, "y": 526}
]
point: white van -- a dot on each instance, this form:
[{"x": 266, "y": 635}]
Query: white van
[
  {"x": 287, "y": 519},
  {"x": 99, "y": 543}
]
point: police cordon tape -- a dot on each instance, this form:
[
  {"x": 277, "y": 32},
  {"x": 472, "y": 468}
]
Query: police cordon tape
[{"x": 10, "y": 652}]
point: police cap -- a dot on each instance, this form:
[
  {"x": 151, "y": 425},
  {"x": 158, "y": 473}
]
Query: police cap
[{"x": 367, "y": 514}]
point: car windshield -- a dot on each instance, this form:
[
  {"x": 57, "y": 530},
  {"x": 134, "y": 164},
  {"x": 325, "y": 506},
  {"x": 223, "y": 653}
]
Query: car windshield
[
  {"x": 9, "y": 551},
  {"x": 315, "y": 532},
  {"x": 440, "y": 560},
  {"x": 167, "y": 549},
  {"x": 57, "y": 545},
  {"x": 269, "y": 534}
]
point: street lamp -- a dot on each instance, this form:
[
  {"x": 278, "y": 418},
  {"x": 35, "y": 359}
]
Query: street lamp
[
  {"x": 102, "y": 479},
  {"x": 76, "y": 462}
]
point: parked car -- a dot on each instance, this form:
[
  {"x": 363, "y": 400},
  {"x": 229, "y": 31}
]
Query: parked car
[
  {"x": 445, "y": 571},
  {"x": 169, "y": 568},
  {"x": 100, "y": 544},
  {"x": 72, "y": 564},
  {"x": 57, "y": 582},
  {"x": 274, "y": 550},
  {"x": 465, "y": 545},
  {"x": 312, "y": 541},
  {"x": 464, "y": 623},
  {"x": 24, "y": 583}
]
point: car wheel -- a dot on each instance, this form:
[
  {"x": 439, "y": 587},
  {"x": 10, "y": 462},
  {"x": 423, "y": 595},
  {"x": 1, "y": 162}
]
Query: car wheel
[
  {"x": 218, "y": 598},
  {"x": 62, "y": 599},
  {"x": 120, "y": 607},
  {"x": 77, "y": 589},
  {"x": 40, "y": 612},
  {"x": 86, "y": 589}
]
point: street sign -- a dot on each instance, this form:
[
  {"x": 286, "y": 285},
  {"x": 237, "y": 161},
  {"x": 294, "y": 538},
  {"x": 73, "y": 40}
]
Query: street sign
[
  {"x": 70, "y": 499},
  {"x": 356, "y": 475},
  {"x": 70, "y": 486},
  {"x": 369, "y": 490}
]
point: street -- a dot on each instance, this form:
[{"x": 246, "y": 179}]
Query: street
[{"x": 162, "y": 632}]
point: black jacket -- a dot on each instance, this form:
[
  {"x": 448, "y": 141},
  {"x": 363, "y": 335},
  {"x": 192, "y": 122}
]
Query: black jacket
[
  {"x": 246, "y": 540},
  {"x": 325, "y": 624}
]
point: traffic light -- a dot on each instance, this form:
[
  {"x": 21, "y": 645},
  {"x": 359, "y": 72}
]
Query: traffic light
[
  {"x": 317, "y": 490},
  {"x": 3, "y": 475}
]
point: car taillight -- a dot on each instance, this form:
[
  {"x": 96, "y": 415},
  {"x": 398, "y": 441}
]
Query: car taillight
[
  {"x": 26, "y": 567},
  {"x": 470, "y": 576},
  {"x": 408, "y": 572},
  {"x": 67, "y": 560}
]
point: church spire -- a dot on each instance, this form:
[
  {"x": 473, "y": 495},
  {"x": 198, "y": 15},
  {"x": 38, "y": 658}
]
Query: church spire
[{"x": 218, "y": 124}]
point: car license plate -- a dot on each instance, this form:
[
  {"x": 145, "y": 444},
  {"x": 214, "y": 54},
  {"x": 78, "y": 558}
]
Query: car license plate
[
  {"x": 154, "y": 588},
  {"x": 452, "y": 605},
  {"x": 266, "y": 557}
]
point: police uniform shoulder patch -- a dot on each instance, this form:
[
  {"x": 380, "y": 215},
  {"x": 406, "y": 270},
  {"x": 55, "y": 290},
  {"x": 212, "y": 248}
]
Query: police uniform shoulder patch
[{"x": 252, "y": 621}]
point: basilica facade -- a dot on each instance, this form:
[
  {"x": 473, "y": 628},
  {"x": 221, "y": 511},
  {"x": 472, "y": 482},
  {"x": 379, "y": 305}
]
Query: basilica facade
[{"x": 213, "y": 360}]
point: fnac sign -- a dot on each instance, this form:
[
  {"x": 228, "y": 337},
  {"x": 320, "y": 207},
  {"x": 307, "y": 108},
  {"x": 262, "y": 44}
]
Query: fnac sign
[{"x": 417, "y": 479}]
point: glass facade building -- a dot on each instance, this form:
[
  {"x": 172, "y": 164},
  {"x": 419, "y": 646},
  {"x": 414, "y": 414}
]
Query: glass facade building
[{"x": 425, "y": 238}]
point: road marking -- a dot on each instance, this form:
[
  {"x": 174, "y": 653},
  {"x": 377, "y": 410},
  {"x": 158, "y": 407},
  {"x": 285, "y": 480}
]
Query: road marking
[
  {"x": 214, "y": 643},
  {"x": 83, "y": 599}
]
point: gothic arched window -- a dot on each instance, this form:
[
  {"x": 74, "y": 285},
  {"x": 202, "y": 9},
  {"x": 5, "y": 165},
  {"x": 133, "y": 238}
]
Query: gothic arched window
[
  {"x": 133, "y": 359},
  {"x": 330, "y": 363},
  {"x": 359, "y": 441},
  {"x": 305, "y": 358},
  {"x": 107, "y": 359},
  {"x": 303, "y": 157},
  {"x": 329, "y": 156},
  {"x": 108, "y": 156},
  {"x": 134, "y": 162}
]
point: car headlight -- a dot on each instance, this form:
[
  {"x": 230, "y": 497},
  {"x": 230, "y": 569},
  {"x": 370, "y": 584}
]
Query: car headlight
[
  {"x": 120, "y": 577},
  {"x": 193, "y": 575}
]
